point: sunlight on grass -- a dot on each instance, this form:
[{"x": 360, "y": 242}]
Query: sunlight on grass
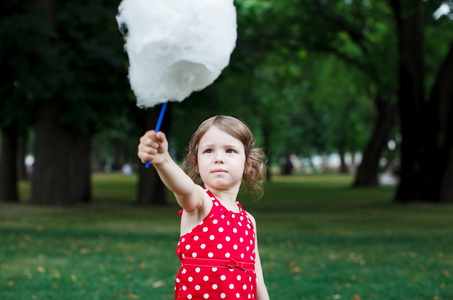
[
  {"x": 319, "y": 239},
  {"x": 114, "y": 187}
]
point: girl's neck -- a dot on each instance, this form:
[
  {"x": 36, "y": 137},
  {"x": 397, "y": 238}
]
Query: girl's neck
[
  {"x": 229, "y": 206},
  {"x": 227, "y": 198}
]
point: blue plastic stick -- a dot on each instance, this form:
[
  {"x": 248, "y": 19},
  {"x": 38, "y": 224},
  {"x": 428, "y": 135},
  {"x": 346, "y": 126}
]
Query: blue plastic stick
[{"x": 159, "y": 123}]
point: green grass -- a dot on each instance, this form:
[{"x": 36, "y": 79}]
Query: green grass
[{"x": 318, "y": 239}]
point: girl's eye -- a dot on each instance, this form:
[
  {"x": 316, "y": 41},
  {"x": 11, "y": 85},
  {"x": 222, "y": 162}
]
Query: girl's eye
[
  {"x": 231, "y": 151},
  {"x": 208, "y": 151}
]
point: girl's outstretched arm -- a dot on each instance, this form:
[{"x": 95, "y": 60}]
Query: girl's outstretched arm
[{"x": 153, "y": 147}]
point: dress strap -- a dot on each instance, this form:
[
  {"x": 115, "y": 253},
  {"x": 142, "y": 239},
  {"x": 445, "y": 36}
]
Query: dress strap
[
  {"x": 209, "y": 193},
  {"x": 218, "y": 263}
]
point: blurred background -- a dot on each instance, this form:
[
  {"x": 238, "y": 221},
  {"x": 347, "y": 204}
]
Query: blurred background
[{"x": 360, "y": 87}]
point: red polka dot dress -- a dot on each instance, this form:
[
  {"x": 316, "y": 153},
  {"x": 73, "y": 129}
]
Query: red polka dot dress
[{"x": 218, "y": 257}]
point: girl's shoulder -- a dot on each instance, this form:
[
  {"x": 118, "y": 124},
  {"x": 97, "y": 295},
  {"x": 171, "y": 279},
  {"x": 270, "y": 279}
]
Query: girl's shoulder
[
  {"x": 190, "y": 219},
  {"x": 206, "y": 200}
]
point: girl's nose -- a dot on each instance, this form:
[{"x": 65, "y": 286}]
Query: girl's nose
[{"x": 219, "y": 158}]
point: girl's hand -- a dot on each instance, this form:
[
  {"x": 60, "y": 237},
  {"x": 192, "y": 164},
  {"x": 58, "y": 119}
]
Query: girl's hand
[{"x": 153, "y": 147}]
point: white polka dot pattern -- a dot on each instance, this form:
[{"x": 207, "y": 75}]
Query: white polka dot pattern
[{"x": 223, "y": 234}]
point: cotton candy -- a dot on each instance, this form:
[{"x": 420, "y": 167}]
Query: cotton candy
[{"x": 176, "y": 47}]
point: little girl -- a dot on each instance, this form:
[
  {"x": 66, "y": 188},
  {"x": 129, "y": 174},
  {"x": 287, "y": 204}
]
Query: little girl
[{"x": 218, "y": 244}]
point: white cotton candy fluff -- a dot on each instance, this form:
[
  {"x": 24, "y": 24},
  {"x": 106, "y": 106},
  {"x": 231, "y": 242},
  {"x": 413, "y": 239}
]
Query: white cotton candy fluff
[{"x": 176, "y": 47}]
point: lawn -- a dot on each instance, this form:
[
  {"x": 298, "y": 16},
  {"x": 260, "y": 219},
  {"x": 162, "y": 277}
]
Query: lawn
[{"x": 318, "y": 239}]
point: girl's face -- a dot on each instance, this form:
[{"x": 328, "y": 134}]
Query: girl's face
[{"x": 221, "y": 159}]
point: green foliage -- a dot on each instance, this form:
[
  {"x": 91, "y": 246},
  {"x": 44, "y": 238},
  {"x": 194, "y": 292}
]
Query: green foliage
[
  {"x": 439, "y": 37},
  {"x": 286, "y": 78},
  {"x": 25, "y": 75},
  {"x": 96, "y": 88},
  {"x": 304, "y": 75},
  {"x": 318, "y": 239},
  {"x": 74, "y": 59}
]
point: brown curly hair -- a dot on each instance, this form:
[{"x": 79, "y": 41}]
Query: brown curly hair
[{"x": 254, "y": 156}]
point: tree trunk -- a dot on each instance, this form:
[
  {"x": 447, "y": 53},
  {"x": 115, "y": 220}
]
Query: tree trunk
[
  {"x": 46, "y": 7},
  {"x": 427, "y": 127},
  {"x": 442, "y": 98},
  {"x": 151, "y": 190},
  {"x": 446, "y": 189},
  {"x": 342, "y": 154},
  {"x": 51, "y": 179},
  {"x": 79, "y": 168},
  {"x": 436, "y": 165},
  {"x": 367, "y": 172},
  {"x": 20, "y": 158},
  {"x": 61, "y": 174},
  {"x": 115, "y": 155},
  {"x": 287, "y": 166},
  {"x": 96, "y": 161},
  {"x": 8, "y": 175},
  {"x": 411, "y": 102}
]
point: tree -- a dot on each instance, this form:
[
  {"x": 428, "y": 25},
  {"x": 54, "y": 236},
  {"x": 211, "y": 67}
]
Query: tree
[
  {"x": 151, "y": 189},
  {"x": 8, "y": 180},
  {"x": 427, "y": 125},
  {"x": 364, "y": 41},
  {"x": 357, "y": 33},
  {"x": 76, "y": 88},
  {"x": 21, "y": 35},
  {"x": 386, "y": 115}
]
